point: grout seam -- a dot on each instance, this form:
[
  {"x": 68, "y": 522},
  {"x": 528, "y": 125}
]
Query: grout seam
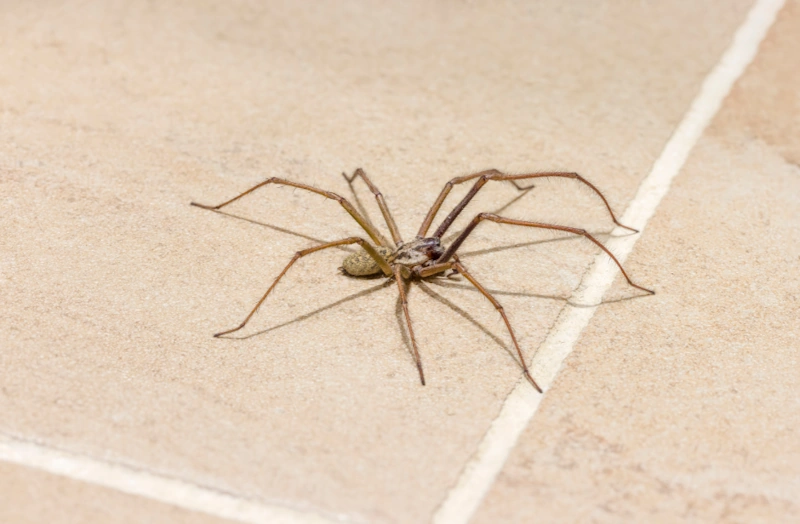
[
  {"x": 170, "y": 490},
  {"x": 479, "y": 474}
]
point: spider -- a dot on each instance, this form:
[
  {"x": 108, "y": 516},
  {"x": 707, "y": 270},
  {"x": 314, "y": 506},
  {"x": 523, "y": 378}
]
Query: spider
[{"x": 424, "y": 256}]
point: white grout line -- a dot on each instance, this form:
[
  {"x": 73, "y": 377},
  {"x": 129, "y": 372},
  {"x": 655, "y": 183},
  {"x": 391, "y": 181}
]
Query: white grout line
[
  {"x": 519, "y": 408},
  {"x": 164, "y": 489}
]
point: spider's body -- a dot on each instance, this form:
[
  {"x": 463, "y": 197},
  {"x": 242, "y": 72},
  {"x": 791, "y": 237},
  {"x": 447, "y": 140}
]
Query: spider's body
[
  {"x": 415, "y": 255},
  {"x": 425, "y": 256}
]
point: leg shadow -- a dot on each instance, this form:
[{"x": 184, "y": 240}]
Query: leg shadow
[{"x": 308, "y": 315}]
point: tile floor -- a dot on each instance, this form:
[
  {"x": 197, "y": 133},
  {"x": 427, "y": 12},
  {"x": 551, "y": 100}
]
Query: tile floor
[{"x": 115, "y": 115}]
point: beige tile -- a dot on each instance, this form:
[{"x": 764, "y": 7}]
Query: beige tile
[
  {"x": 115, "y": 116},
  {"x": 765, "y": 105},
  {"x": 30, "y": 496},
  {"x": 684, "y": 406}
]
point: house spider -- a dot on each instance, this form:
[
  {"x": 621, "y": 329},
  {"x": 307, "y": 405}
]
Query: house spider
[{"x": 425, "y": 256}]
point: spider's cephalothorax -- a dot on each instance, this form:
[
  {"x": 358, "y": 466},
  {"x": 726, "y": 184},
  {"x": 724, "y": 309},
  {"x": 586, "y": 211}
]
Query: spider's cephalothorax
[
  {"x": 424, "y": 256},
  {"x": 418, "y": 252}
]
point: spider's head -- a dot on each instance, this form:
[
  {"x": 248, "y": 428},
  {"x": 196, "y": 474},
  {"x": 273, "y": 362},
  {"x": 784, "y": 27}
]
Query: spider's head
[
  {"x": 433, "y": 247},
  {"x": 418, "y": 252}
]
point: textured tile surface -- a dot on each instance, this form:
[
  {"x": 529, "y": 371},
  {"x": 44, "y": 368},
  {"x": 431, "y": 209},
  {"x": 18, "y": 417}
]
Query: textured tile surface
[
  {"x": 685, "y": 406},
  {"x": 34, "y": 497},
  {"x": 114, "y": 115}
]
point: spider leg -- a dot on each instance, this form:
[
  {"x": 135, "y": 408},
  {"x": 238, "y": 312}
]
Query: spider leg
[
  {"x": 426, "y": 224},
  {"x": 371, "y": 231},
  {"x": 456, "y": 263},
  {"x": 352, "y": 240},
  {"x": 493, "y": 174},
  {"x": 434, "y": 269},
  {"x": 461, "y": 269},
  {"x": 417, "y": 359},
  {"x": 387, "y": 216},
  {"x": 501, "y": 220}
]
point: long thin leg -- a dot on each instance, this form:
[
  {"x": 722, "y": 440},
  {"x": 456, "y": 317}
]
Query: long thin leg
[
  {"x": 461, "y": 269},
  {"x": 493, "y": 174},
  {"x": 352, "y": 240},
  {"x": 371, "y": 231},
  {"x": 356, "y": 201},
  {"x": 501, "y": 220},
  {"x": 456, "y": 263},
  {"x": 399, "y": 278},
  {"x": 387, "y": 216},
  {"x": 446, "y": 239},
  {"x": 426, "y": 224}
]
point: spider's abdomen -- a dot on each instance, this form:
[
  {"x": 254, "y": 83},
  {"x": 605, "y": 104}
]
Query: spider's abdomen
[{"x": 360, "y": 264}]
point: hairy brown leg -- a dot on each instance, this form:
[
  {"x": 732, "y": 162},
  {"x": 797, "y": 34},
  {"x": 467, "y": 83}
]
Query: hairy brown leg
[
  {"x": 493, "y": 174},
  {"x": 387, "y": 270},
  {"x": 371, "y": 231},
  {"x": 461, "y": 269},
  {"x": 450, "y": 252},
  {"x": 398, "y": 276},
  {"x": 426, "y": 224},
  {"x": 387, "y": 216}
]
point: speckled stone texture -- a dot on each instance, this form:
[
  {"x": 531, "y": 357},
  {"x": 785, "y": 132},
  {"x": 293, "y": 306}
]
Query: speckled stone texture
[
  {"x": 33, "y": 497},
  {"x": 685, "y": 407},
  {"x": 115, "y": 115}
]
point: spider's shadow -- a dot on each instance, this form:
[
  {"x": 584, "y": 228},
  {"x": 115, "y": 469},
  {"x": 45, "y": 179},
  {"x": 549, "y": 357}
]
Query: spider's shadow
[
  {"x": 317, "y": 311},
  {"x": 399, "y": 313},
  {"x": 424, "y": 286},
  {"x": 443, "y": 282},
  {"x": 438, "y": 281},
  {"x": 277, "y": 228}
]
